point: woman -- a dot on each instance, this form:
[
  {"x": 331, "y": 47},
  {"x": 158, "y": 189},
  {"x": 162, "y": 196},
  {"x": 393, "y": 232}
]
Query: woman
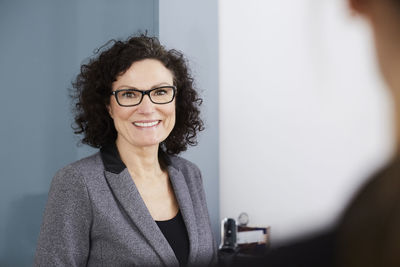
[{"x": 134, "y": 203}]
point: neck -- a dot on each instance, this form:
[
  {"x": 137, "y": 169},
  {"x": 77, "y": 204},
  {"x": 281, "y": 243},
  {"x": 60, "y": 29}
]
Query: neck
[{"x": 142, "y": 162}]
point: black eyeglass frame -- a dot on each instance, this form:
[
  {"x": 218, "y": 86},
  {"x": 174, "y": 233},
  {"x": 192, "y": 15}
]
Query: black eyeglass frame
[{"x": 146, "y": 92}]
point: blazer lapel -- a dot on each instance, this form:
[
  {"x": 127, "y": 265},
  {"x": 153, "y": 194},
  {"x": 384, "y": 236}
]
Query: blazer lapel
[
  {"x": 129, "y": 197},
  {"x": 186, "y": 206}
]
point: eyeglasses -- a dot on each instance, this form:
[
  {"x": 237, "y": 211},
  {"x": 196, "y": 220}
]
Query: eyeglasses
[{"x": 133, "y": 97}]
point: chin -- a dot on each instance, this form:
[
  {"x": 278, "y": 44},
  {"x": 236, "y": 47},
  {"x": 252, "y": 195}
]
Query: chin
[
  {"x": 146, "y": 140},
  {"x": 149, "y": 143}
]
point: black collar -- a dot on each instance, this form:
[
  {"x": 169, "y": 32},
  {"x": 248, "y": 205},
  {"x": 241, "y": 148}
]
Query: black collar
[{"x": 113, "y": 163}]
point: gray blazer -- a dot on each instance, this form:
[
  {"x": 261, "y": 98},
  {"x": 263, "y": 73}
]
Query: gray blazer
[{"x": 95, "y": 216}]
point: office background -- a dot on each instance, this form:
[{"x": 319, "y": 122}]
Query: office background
[
  {"x": 42, "y": 45},
  {"x": 296, "y": 115}
]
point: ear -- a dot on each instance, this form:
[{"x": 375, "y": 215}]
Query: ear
[{"x": 109, "y": 111}]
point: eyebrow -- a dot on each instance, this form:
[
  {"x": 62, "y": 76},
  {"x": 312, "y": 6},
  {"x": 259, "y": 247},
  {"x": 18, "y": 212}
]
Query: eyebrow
[{"x": 133, "y": 87}]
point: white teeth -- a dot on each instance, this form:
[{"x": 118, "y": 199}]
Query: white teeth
[{"x": 145, "y": 124}]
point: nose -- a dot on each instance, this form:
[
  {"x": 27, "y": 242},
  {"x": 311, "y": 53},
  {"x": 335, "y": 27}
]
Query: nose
[{"x": 146, "y": 106}]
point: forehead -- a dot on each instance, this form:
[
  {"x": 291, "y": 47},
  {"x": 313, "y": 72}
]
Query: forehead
[{"x": 145, "y": 74}]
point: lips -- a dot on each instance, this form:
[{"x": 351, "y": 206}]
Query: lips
[{"x": 146, "y": 124}]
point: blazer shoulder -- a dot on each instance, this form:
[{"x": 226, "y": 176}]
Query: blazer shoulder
[
  {"x": 189, "y": 170},
  {"x": 183, "y": 164},
  {"x": 86, "y": 167},
  {"x": 92, "y": 161}
]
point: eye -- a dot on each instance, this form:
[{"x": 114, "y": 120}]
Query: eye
[
  {"x": 129, "y": 94},
  {"x": 160, "y": 92}
]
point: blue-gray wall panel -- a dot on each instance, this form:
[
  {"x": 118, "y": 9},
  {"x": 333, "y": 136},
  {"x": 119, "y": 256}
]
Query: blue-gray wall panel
[{"x": 42, "y": 44}]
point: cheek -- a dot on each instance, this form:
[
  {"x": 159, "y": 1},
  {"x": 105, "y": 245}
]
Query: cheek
[
  {"x": 172, "y": 114},
  {"x": 120, "y": 113},
  {"x": 169, "y": 117}
]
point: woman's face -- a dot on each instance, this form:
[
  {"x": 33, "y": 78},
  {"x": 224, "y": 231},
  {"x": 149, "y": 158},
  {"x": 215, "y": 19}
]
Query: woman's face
[{"x": 146, "y": 124}]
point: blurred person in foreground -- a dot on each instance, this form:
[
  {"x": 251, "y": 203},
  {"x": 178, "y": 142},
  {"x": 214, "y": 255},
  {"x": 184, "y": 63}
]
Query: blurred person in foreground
[
  {"x": 368, "y": 233},
  {"x": 135, "y": 202}
]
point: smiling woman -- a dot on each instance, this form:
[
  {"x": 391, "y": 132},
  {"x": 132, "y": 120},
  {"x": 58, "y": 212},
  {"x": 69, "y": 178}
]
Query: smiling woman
[{"x": 135, "y": 202}]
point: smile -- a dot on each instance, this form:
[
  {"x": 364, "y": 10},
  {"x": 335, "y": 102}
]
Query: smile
[{"x": 146, "y": 124}]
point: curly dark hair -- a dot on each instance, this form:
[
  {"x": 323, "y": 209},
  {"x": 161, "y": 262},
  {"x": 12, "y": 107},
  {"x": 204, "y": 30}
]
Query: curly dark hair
[{"x": 92, "y": 87}]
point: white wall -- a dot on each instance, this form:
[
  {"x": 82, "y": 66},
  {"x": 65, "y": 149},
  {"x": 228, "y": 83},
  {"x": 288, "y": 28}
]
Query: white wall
[
  {"x": 304, "y": 118},
  {"x": 191, "y": 26}
]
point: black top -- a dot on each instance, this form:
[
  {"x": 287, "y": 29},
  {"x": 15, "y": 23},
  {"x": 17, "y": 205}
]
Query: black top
[{"x": 176, "y": 234}]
